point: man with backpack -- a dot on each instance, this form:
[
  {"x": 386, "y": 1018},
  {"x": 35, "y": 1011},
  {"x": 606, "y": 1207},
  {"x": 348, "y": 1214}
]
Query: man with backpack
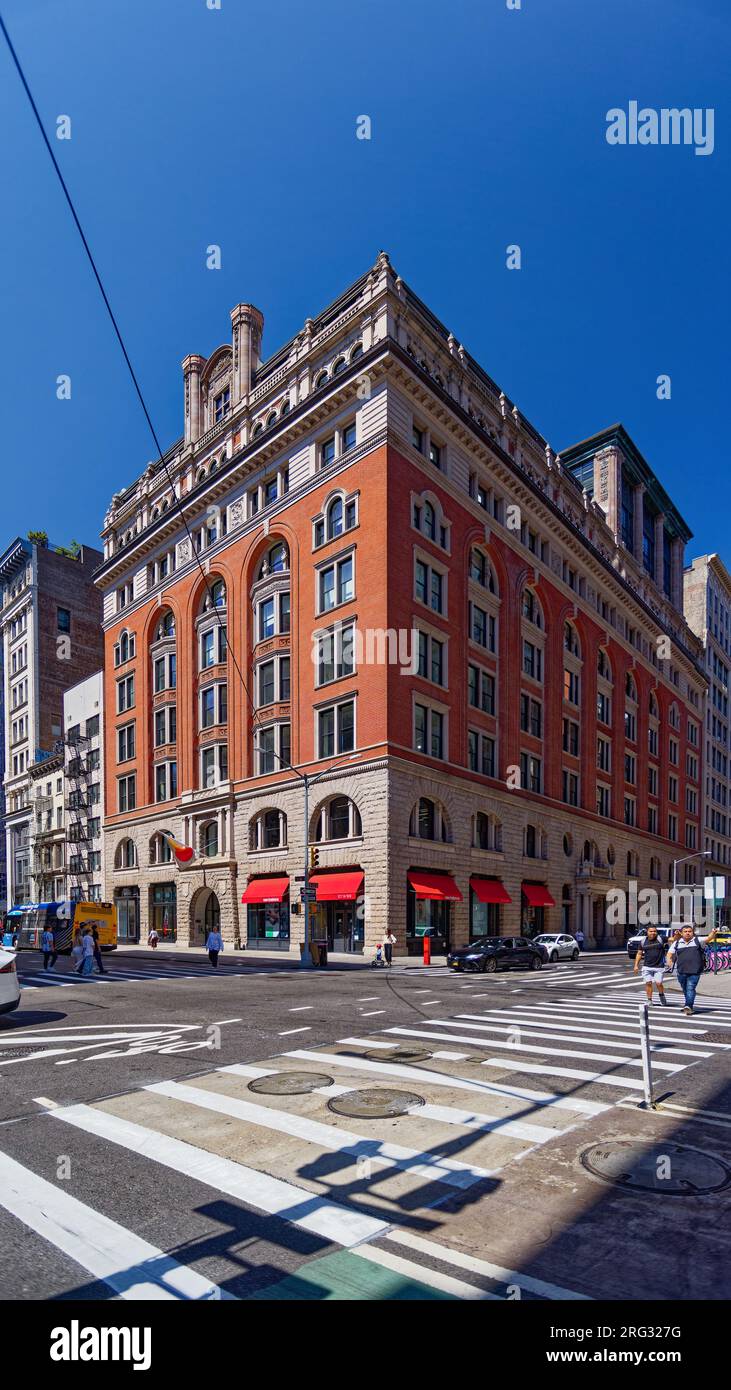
[
  {"x": 687, "y": 950},
  {"x": 652, "y": 956}
]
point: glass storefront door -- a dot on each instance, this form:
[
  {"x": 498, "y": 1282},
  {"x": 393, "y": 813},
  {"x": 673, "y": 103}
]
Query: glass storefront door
[
  {"x": 268, "y": 926},
  {"x": 427, "y": 917},
  {"x": 128, "y": 915},
  {"x": 338, "y": 923},
  {"x": 163, "y": 911}
]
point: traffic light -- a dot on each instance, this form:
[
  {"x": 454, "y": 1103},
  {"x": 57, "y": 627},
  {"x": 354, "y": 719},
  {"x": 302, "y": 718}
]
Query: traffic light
[{"x": 314, "y": 857}]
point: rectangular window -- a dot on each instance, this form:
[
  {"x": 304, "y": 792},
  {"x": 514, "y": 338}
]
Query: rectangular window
[
  {"x": 532, "y": 661},
  {"x": 336, "y": 729},
  {"x": 125, "y": 694},
  {"x": 336, "y": 584},
  {"x": 327, "y": 451},
  {"x": 266, "y": 684},
  {"x": 125, "y": 743},
  {"x": 349, "y": 437},
  {"x": 530, "y": 716},
  {"x": 64, "y": 619},
  {"x": 630, "y": 768},
  {"x": 571, "y": 686},
  {"x": 652, "y": 819},
  {"x": 530, "y": 772},
  {"x": 480, "y": 753},
  {"x": 481, "y": 689},
  {"x": 603, "y": 801},
  {"x": 630, "y": 807},
  {"x": 482, "y": 627},
  {"x": 570, "y": 788},
  {"x": 126, "y": 793},
  {"x": 571, "y": 737},
  {"x": 222, "y": 405},
  {"x": 604, "y": 755},
  {"x": 603, "y": 708}
]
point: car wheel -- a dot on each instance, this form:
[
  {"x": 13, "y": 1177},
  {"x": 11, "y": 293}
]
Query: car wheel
[
  {"x": 553, "y": 957},
  {"x": 490, "y": 965},
  {"x": 575, "y": 955},
  {"x": 536, "y": 963}
]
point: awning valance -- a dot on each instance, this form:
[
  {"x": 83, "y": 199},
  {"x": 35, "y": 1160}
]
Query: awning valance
[
  {"x": 266, "y": 890},
  {"x": 490, "y": 890},
  {"x": 537, "y": 895},
  {"x": 438, "y": 886},
  {"x": 338, "y": 888}
]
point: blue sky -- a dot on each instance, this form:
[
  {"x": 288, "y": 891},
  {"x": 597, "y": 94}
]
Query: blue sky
[{"x": 237, "y": 127}]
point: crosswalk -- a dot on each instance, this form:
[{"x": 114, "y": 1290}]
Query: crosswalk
[
  {"x": 31, "y": 978},
  {"x": 310, "y": 1140}
]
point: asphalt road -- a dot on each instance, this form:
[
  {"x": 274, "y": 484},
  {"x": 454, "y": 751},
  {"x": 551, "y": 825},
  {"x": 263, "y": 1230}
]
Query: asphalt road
[{"x": 168, "y": 1172}]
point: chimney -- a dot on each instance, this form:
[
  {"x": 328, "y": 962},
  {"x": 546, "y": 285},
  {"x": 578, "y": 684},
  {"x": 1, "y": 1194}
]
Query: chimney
[
  {"x": 247, "y": 324},
  {"x": 192, "y": 367}
]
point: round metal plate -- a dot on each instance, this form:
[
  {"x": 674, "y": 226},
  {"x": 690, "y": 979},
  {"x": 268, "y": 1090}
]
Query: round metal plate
[
  {"x": 375, "y": 1104},
  {"x": 668, "y": 1170},
  {"x": 403, "y": 1053},
  {"x": 289, "y": 1083}
]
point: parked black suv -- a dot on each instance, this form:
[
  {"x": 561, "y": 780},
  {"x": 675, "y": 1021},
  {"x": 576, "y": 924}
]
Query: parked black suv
[{"x": 491, "y": 953}]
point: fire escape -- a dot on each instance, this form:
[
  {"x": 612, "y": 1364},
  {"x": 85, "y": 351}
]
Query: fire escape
[
  {"x": 42, "y": 869},
  {"x": 78, "y": 775}
]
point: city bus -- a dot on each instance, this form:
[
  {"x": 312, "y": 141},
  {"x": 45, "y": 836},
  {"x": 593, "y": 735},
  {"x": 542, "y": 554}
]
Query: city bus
[{"x": 26, "y": 924}]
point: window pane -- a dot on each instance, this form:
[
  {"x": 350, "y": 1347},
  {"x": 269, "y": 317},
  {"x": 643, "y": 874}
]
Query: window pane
[
  {"x": 326, "y": 730},
  {"x": 346, "y": 740}
]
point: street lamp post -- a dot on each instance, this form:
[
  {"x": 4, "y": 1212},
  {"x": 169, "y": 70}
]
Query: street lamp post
[{"x": 702, "y": 854}]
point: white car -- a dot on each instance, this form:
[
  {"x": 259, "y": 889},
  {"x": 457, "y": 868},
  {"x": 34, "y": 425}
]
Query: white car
[
  {"x": 558, "y": 945},
  {"x": 9, "y": 983}
]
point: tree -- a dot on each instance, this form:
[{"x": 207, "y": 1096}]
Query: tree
[{"x": 38, "y": 537}]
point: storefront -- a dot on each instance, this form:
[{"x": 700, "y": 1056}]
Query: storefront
[
  {"x": 337, "y": 916},
  {"x": 164, "y": 911},
  {"x": 487, "y": 896},
  {"x": 267, "y": 914},
  {"x": 535, "y": 899},
  {"x": 429, "y": 910},
  {"x": 127, "y": 903}
]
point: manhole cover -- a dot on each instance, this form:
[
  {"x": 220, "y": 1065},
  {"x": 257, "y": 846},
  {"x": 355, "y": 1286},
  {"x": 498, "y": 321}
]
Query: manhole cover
[
  {"x": 717, "y": 1038},
  {"x": 669, "y": 1170},
  {"x": 374, "y": 1104},
  {"x": 402, "y": 1053},
  {"x": 290, "y": 1083}
]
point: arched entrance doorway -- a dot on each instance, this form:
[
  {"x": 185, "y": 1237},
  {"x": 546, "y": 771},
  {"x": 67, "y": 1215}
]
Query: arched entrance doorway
[{"x": 205, "y": 916}]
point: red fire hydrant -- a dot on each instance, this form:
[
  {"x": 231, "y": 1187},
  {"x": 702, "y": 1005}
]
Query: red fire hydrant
[{"x": 427, "y": 950}]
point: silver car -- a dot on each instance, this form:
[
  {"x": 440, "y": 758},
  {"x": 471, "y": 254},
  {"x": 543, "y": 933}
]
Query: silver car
[{"x": 558, "y": 945}]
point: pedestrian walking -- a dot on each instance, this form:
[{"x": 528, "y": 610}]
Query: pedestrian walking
[
  {"x": 389, "y": 941},
  {"x": 579, "y": 939},
  {"x": 48, "y": 947},
  {"x": 651, "y": 955},
  {"x": 97, "y": 951},
  {"x": 152, "y": 938},
  {"x": 77, "y": 953},
  {"x": 686, "y": 951},
  {"x": 87, "y": 954},
  {"x": 214, "y": 946}
]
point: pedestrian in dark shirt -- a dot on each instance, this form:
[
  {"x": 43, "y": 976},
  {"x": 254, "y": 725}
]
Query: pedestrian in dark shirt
[
  {"x": 687, "y": 950},
  {"x": 652, "y": 957},
  {"x": 97, "y": 951}
]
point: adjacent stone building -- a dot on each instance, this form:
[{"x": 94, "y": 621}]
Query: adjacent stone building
[
  {"x": 708, "y": 611},
  {"x": 50, "y": 627},
  {"x": 361, "y": 561}
]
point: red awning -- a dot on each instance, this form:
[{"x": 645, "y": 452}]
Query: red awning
[
  {"x": 266, "y": 890},
  {"x": 536, "y": 895},
  {"x": 439, "y": 886},
  {"x": 490, "y": 890},
  {"x": 338, "y": 888}
]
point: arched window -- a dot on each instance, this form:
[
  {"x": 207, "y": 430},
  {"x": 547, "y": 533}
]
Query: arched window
[
  {"x": 632, "y": 863},
  {"x": 126, "y": 855},
  {"x": 340, "y": 366},
  {"x": 673, "y": 716},
  {"x": 274, "y": 561},
  {"x": 284, "y": 410},
  {"x": 630, "y": 687},
  {"x": 531, "y": 608},
  {"x": 655, "y": 869},
  {"x": 357, "y": 352},
  {"x": 271, "y": 419},
  {"x": 258, "y": 429},
  {"x": 214, "y": 596},
  {"x": 338, "y": 819},
  {"x": 335, "y": 518},
  {"x": 481, "y": 571},
  {"x": 530, "y": 846},
  {"x": 321, "y": 380},
  {"x": 165, "y": 627},
  {"x": 268, "y": 830},
  {"x": 571, "y": 640},
  {"x": 654, "y": 712},
  {"x": 603, "y": 665},
  {"x": 430, "y": 521},
  {"x": 209, "y": 839},
  {"x": 487, "y": 832},
  {"x": 125, "y": 648},
  {"x": 611, "y": 854},
  {"x": 160, "y": 851},
  {"x": 200, "y": 475},
  {"x": 429, "y": 821}
]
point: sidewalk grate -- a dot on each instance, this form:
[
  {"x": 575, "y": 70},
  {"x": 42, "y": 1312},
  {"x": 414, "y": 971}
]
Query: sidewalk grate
[{"x": 666, "y": 1170}]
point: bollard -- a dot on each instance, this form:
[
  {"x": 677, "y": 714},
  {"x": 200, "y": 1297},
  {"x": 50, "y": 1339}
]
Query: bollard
[
  {"x": 646, "y": 1055},
  {"x": 427, "y": 950}
]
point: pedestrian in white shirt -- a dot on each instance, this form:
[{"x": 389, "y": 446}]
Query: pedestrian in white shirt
[
  {"x": 87, "y": 953},
  {"x": 214, "y": 945}
]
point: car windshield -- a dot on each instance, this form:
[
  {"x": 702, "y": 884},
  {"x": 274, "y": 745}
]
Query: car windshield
[
  {"x": 546, "y": 937},
  {"x": 486, "y": 941}
]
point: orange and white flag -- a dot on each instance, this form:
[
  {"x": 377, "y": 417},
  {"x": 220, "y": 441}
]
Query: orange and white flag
[{"x": 183, "y": 853}]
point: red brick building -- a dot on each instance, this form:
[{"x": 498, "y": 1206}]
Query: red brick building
[{"x": 480, "y": 645}]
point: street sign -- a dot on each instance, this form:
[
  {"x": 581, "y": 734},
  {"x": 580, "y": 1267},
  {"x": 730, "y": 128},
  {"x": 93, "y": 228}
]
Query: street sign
[
  {"x": 714, "y": 887},
  {"x": 308, "y": 894},
  {"x": 298, "y": 878}
]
